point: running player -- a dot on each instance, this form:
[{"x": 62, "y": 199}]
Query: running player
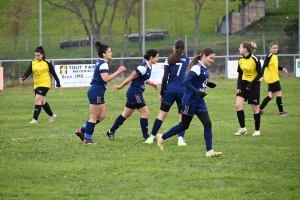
[
  {"x": 172, "y": 89},
  {"x": 135, "y": 100},
  {"x": 96, "y": 93},
  {"x": 193, "y": 102},
  {"x": 270, "y": 72}
]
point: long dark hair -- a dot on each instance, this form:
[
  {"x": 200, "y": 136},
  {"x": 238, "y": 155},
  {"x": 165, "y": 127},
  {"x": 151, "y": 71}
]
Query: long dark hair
[
  {"x": 101, "y": 48},
  {"x": 206, "y": 51},
  {"x": 150, "y": 53},
  {"x": 41, "y": 51},
  {"x": 176, "y": 56}
]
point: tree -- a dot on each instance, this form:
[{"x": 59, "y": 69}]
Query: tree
[
  {"x": 243, "y": 17},
  {"x": 108, "y": 35},
  {"x": 292, "y": 30},
  {"x": 197, "y": 9},
  {"x": 93, "y": 23},
  {"x": 128, "y": 5},
  {"x": 14, "y": 19}
]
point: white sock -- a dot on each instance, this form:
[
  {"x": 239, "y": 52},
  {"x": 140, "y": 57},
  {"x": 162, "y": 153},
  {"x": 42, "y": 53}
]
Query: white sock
[
  {"x": 152, "y": 137},
  {"x": 180, "y": 138}
]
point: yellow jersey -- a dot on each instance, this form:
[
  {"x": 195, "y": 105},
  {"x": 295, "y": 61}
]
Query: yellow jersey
[
  {"x": 249, "y": 69},
  {"x": 41, "y": 71},
  {"x": 270, "y": 68},
  {"x": 249, "y": 66}
]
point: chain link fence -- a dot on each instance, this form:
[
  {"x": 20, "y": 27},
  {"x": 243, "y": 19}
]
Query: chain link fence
[{"x": 65, "y": 49}]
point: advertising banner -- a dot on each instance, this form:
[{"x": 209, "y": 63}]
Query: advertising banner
[
  {"x": 232, "y": 66},
  {"x": 81, "y": 75},
  {"x": 75, "y": 75},
  {"x": 297, "y": 68}
]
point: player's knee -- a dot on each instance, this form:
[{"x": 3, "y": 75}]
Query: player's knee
[
  {"x": 207, "y": 124},
  {"x": 184, "y": 126}
]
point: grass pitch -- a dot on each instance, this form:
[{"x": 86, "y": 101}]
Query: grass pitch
[{"x": 48, "y": 161}]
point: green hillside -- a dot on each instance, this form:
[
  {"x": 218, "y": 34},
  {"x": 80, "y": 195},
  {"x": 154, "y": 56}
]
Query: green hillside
[{"x": 177, "y": 16}]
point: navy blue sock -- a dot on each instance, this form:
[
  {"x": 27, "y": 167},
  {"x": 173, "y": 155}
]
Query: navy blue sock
[
  {"x": 208, "y": 138},
  {"x": 144, "y": 127},
  {"x": 119, "y": 121},
  {"x": 173, "y": 131},
  {"x": 83, "y": 128},
  {"x": 156, "y": 126},
  {"x": 181, "y": 134},
  {"x": 89, "y": 130}
]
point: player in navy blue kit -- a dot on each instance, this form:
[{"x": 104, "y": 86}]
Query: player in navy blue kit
[
  {"x": 96, "y": 93},
  {"x": 193, "y": 101},
  {"x": 172, "y": 89},
  {"x": 135, "y": 100}
]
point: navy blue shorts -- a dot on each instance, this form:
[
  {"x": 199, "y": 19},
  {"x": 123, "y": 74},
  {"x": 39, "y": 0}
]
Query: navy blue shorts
[
  {"x": 95, "y": 97},
  {"x": 191, "y": 110},
  {"x": 168, "y": 100}
]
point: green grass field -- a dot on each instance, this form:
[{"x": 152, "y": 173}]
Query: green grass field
[{"x": 48, "y": 161}]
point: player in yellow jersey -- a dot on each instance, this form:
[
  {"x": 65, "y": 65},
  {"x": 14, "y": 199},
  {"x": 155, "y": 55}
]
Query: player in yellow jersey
[
  {"x": 41, "y": 68},
  {"x": 248, "y": 86},
  {"x": 270, "y": 72}
]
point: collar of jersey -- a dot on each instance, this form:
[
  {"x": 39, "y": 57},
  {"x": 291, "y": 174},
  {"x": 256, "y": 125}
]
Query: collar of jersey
[
  {"x": 249, "y": 56},
  {"x": 201, "y": 64}
]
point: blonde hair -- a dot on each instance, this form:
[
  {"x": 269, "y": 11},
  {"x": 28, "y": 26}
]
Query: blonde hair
[{"x": 250, "y": 46}]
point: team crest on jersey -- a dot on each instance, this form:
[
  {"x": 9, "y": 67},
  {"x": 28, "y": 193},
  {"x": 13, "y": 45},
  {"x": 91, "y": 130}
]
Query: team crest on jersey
[{"x": 249, "y": 64}]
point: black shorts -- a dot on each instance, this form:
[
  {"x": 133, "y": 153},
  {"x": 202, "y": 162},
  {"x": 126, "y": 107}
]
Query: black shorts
[
  {"x": 135, "y": 105},
  {"x": 274, "y": 87},
  {"x": 252, "y": 96},
  {"x": 41, "y": 91}
]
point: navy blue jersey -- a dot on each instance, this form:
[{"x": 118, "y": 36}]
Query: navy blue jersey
[
  {"x": 177, "y": 74},
  {"x": 138, "y": 84},
  {"x": 97, "y": 82},
  {"x": 195, "y": 82}
]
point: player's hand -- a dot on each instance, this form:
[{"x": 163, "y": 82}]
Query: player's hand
[
  {"x": 285, "y": 70},
  {"x": 202, "y": 94},
  {"x": 211, "y": 85},
  {"x": 21, "y": 80},
  {"x": 261, "y": 79},
  {"x": 118, "y": 87},
  {"x": 160, "y": 98},
  {"x": 238, "y": 90},
  {"x": 122, "y": 68},
  {"x": 155, "y": 86}
]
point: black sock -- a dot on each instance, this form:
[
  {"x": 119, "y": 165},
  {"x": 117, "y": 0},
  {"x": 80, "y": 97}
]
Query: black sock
[
  {"x": 265, "y": 102},
  {"x": 257, "y": 121},
  {"x": 37, "y": 110},
  {"x": 279, "y": 104},
  {"x": 47, "y": 109},
  {"x": 241, "y": 118}
]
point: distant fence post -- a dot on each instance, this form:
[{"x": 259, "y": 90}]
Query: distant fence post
[{"x": 1, "y": 78}]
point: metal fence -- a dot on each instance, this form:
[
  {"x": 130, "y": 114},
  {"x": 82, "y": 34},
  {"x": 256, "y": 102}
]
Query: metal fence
[{"x": 13, "y": 69}]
